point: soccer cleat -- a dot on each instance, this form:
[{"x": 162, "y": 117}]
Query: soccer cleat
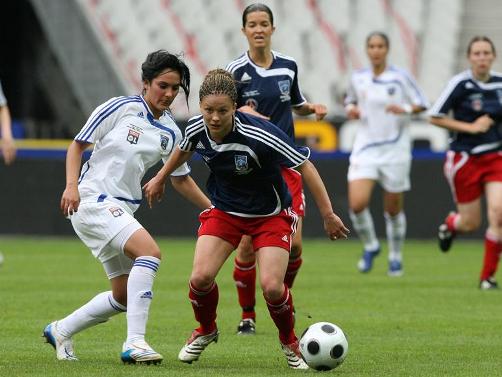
[
  {"x": 195, "y": 345},
  {"x": 395, "y": 268},
  {"x": 139, "y": 352},
  {"x": 62, "y": 345},
  {"x": 246, "y": 327},
  {"x": 366, "y": 262},
  {"x": 292, "y": 353},
  {"x": 445, "y": 237},
  {"x": 488, "y": 284}
]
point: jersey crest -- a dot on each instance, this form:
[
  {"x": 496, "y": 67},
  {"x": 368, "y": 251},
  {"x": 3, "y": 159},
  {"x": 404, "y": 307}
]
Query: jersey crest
[
  {"x": 116, "y": 211},
  {"x": 241, "y": 164},
  {"x": 284, "y": 87},
  {"x": 164, "y": 141}
]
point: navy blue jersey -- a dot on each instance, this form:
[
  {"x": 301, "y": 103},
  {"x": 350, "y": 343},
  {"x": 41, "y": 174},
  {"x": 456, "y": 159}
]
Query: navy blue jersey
[
  {"x": 271, "y": 91},
  {"x": 468, "y": 99},
  {"x": 245, "y": 168}
]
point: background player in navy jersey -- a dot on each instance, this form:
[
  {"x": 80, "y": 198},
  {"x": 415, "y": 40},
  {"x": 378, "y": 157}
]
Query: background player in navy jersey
[
  {"x": 473, "y": 165},
  {"x": 8, "y": 146},
  {"x": 267, "y": 86},
  {"x": 130, "y": 135},
  {"x": 382, "y": 96},
  {"x": 245, "y": 155}
]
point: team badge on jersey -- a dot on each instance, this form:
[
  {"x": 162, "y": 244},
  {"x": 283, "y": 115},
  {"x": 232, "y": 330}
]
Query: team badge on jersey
[
  {"x": 241, "y": 164},
  {"x": 133, "y": 137},
  {"x": 476, "y": 101},
  {"x": 391, "y": 90},
  {"x": 164, "y": 142},
  {"x": 116, "y": 211},
  {"x": 284, "y": 87}
]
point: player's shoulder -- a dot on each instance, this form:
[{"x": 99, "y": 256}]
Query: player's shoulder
[
  {"x": 250, "y": 123},
  {"x": 284, "y": 60},
  {"x": 495, "y": 76},
  {"x": 361, "y": 72},
  {"x": 194, "y": 126},
  {"x": 235, "y": 64},
  {"x": 122, "y": 103}
]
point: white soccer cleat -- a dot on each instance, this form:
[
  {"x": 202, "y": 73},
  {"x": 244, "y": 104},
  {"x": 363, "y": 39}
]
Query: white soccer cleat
[
  {"x": 62, "y": 345},
  {"x": 292, "y": 353},
  {"x": 139, "y": 352},
  {"x": 195, "y": 345}
]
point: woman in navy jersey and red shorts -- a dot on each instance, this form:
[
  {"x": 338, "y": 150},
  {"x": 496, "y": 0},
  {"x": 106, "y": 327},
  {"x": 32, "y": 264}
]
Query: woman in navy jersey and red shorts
[
  {"x": 267, "y": 86},
  {"x": 473, "y": 165},
  {"x": 245, "y": 154}
]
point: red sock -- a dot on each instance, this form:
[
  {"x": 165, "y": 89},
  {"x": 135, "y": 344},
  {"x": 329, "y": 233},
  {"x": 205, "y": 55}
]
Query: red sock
[
  {"x": 204, "y": 305},
  {"x": 492, "y": 257},
  {"x": 282, "y": 315},
  {"x": 450, "y": 221},
  {"x": 293, "y": 268},
  {"x": 245, "y": 281}
]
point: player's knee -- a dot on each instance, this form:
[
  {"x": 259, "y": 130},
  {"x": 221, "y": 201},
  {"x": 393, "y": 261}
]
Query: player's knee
[
  {"x": 495, "y": 216},
  {"x": 201, "y": 280},
  {"x": 273, "y": 289},
  {"x": 358, "y": 207},
  {"x": 120, "y": 295}
]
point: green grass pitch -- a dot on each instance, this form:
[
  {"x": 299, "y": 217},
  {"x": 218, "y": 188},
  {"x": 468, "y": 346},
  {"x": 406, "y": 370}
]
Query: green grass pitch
[{"x": 433, "y": 321}]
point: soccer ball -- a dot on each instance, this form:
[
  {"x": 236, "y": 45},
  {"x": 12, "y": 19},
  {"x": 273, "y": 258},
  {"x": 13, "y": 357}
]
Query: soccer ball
[{"x": 323, "y": 346}]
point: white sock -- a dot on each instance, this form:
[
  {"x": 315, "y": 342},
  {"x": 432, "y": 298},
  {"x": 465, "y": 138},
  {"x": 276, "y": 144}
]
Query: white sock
[
  {"x": 396, "y": 231},
  {"x": 139, "y": 296},
  {"x": 363, "y": 224},
  {"x": 98, "y": 310}
]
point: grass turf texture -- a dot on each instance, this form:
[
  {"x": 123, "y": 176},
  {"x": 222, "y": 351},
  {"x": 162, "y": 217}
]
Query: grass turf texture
[{"x": 433, "y": 321}]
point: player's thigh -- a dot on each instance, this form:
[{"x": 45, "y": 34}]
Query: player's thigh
[
  {"x": 245, "y": 252},
  {"x": 493, "y": 192},
  {"x": 393, "y": 202},
  {"x": 140, "y": 243},
  {"x": 360, "y": 193},
  {"x": 211, "y": 252},
  {"x": 470, "y": 214}
]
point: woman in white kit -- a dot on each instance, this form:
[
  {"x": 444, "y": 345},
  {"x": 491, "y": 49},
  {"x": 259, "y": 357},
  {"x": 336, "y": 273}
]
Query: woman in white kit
[
  {"x": 130, "y": 135},
  {"x": 382, "y": 97}
]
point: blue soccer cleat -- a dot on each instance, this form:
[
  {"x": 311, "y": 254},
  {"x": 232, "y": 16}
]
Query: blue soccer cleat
[
  {"x": 139, "y": 352},
  {"x": 62, "y": 345},
  {"x": 395, "y": 268},
  {"x": 365, "y": 264}
]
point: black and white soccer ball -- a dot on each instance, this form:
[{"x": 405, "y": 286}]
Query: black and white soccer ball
[{"x": 323, "y": 346}]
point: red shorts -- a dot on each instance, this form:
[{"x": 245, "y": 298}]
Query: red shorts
[
  {"x": 467, "y": 174},
  {"x": 294, "y": 181},
  {"x": 275, "y": 230}
]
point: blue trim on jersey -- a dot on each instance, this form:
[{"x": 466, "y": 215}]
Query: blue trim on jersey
[
  {"x": 380, "y": 143},
  {"x": 102, "y": 198},
  {"x": 103, "y": 114},
  {"x": 82, "y": 174},
  {"x": 156, "y": 124}
]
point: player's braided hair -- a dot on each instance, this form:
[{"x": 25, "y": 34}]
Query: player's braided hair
[
  {"x": 218, "y": 81},
  {"x": 158, "y": 61}
]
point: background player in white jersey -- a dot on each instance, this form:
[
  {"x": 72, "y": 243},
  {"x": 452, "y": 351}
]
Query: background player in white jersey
[
  {"x": 470, "y": 107},
  {"x": 382, "y": 97},
  {"x": 268, "y": 86},
  {"x": 8, "y": 146},
  {"x": 245, "y": 155},
  {"x": 130, "y": 135}
]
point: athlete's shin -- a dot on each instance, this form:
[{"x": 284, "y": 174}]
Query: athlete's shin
[
  {"x": 245, "y": 281},
  {"x": 281, "y": 311},
  {"x": 204, "y": 305}
]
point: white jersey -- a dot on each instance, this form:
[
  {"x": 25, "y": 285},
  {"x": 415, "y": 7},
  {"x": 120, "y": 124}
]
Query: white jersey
[
  {"x": 128, "y": 141},
  {"x": 383, "y": 137},
  {"x": 3, "y": 100}
]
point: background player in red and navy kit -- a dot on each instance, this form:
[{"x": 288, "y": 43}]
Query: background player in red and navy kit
[
  {"x": 473, "y": 165},
  {"x": 245, "y": 155},
  {"x": 267, "y": 86}
]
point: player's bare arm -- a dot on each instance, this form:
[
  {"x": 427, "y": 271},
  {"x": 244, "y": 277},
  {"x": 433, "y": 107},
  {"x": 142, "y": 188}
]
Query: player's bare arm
[
  {"x": 187, "y": 187},
  {"x": 155, "y": 187},
  {"x": 333, "y": 225},
  {"x": 308, "y": 108},
  {"x": 70, "y": 200},
  {"x": 480, "y": 125}
]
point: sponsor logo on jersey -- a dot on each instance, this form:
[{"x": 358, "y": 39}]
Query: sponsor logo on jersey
[
  {"x": 252, "y": 103},
  {"x": 284, "y": 87},
  {"x": 250, "y": 93},
  {"x": 164, "y": 141},
  {"x": 133, "y": 137},
  {"x": 116, "y": 211},
  {"x": 200, "y": 145},
  {"x": 241, "y": 164},
  {"x": 245, "y": 77}
]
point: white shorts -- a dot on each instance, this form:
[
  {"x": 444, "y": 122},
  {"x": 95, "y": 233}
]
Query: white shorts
[
  {"x": 392, "y": 177},
  {"x": 98, "y": 223}
]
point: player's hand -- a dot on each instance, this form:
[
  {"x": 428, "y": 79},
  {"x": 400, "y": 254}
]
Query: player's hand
[
  {"x": 482, "y": 124},
  {"x": 334, "y": 227},
  {"x": 319, "y": 110},
  {"x": 8, "y": 151},
  {"x": 70, "y": 200},
  {"x": 154, "y": 190},
  {"x": 249, "y": 110},
  {"x": 352, "y": 111}
]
